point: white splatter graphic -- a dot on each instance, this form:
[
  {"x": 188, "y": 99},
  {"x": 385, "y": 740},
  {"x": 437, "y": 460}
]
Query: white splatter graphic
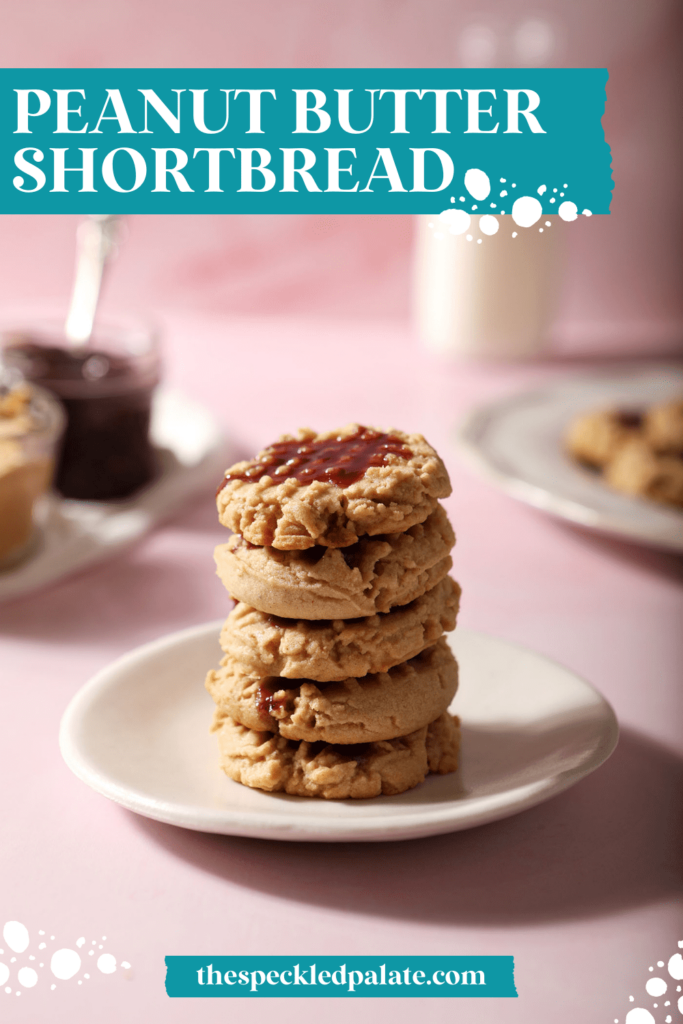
[
  {"x": 639, "y": 1016},
  {"x": 655, "y": 987},
  {"x": 107, "y": 963},
  {"x": 526, "y": 211},
  {"x": 543, "y": 189},
  {"x": 568, "y": 211},
  {"x": 65, "y": 963},
  {"x": 477, "y": 183},
  {"x": 488, "y": 225},
  {"x": 675, "y": 967},
  {"x": 15, "y": 935},
  {"x": 456, "y": 222}
]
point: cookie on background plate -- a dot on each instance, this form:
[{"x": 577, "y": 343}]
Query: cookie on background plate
[{"x": 595, "y": 437}]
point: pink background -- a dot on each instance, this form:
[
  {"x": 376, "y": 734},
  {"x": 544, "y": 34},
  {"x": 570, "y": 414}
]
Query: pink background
[
  {"x": 273, "y": 323},
  {"x": 622, "y": 287}
]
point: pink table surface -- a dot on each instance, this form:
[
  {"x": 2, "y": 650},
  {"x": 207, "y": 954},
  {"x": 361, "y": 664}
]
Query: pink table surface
[{"x": 584, "y": 891}]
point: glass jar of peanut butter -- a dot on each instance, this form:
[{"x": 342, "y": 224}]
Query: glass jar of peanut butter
[
  {"x": 106, "y": 390},
  {"x": 31, "y": 425}
]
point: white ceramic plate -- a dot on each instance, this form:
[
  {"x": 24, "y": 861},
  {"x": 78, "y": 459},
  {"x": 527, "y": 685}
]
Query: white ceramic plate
[
  {"x": 516, "y": 443},
  {"x": 138, "y": 733},
  {"x": 72, "y": 534}
]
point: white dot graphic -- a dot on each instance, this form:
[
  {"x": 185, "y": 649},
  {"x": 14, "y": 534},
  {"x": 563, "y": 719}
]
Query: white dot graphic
[
  {"x": 4, "y": 973},
  {"x": 514, "y": 234},
  {"x": 15, "y": 935},
  {"x": 474, "y": 206},
  {"x": 680, "y": 1005},
  {"x": 660, "y": 963},
  {"x": 526, "y": 211},
  {"x": 477, "y": 183},
  {"x": 586, "y": 213},
  {"x": 455, "y": 221},
  {"x": 568, "y": 211},
  {"x": 639, "y": 1016},
  {"x": 675, "y": 967},
  {"x": 655, "y": 987},
  {"x": 542, "y": 189},
  {"x": 107, "y": 963},
  {"x": 503, "y": 193},
  {"x": 80, "y": 942},
  {"x": 65, "y": 963},
  {"x": 469, "y": 238},
  {"x": 479, "y": 241},
  {"x": 488, "y": 225},
  {"x": 27, "y": 977}
]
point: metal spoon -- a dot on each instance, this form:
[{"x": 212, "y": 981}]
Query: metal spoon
[{"x": 95, "y": 242}]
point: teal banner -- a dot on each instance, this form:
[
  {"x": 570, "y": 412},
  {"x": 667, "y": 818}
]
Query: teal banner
[
  {"x": 258, "y": 977},
  {"x": 399, "y": 141}
]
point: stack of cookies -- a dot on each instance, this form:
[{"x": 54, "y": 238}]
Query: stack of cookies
[{"x": 336, "y": 675}]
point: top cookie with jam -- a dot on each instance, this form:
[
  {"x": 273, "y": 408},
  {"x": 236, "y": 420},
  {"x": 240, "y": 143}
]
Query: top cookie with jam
[{"x": 330, "y": 489}]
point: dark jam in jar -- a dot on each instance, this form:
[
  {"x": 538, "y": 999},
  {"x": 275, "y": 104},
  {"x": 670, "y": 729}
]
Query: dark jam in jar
[
  {"x": 106, "y": 452},
  {"x": 340, "y": 460}
]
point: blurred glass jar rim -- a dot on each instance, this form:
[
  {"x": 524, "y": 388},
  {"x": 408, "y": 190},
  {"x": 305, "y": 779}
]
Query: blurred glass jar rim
[{"x": 125, "y": 352}]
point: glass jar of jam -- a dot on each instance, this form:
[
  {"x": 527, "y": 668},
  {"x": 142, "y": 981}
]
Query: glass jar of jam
[{"x": 106, "y": 390}]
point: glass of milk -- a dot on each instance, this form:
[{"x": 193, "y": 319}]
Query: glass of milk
[{"x": 489, "y": 296}]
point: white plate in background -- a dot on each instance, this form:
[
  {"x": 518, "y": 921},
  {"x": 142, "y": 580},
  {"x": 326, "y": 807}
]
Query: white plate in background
[
  {"x": 73, "y": 534},
  {"x": 138, "y": 733},
  {"x": 517, "y": 444}
]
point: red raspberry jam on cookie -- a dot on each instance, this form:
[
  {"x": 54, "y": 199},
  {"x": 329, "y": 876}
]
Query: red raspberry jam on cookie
[{"x": 338, "y": 460}]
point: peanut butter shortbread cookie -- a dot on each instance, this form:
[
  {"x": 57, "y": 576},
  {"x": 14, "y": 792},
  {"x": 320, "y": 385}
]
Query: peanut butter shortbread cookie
[
  {"x": 330, "y": 489},
  {"x": 639, "y": 471},
  {"x": 378, "y": 706},
  {"x": 372, "y": 575},
  {"x": 596, "y": 437},
  {"x": 663, "y": 427},
  {"x": 324, "y": 650},
  {"x": 263, "y": 760}
]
